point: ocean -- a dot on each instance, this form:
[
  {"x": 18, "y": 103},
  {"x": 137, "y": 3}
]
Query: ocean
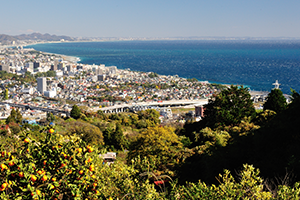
[{"x": 252, "y": 63}]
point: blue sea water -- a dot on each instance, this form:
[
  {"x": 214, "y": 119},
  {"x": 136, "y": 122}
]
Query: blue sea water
[{"x": 256, "y": 64}]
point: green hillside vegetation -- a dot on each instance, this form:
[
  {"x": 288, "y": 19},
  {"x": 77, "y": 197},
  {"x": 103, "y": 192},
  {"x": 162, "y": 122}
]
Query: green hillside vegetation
[
  {"x": 7, "y": 39},
  {"x": 233, "y": 153}
]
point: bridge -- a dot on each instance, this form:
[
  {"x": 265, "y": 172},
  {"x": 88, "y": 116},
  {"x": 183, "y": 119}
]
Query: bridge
[
  {"x": 134, "y": 107},
  {"x": 22, "y": 106}
]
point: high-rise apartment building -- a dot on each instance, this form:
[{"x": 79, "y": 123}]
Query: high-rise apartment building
[{"x": 42, "y": 84}]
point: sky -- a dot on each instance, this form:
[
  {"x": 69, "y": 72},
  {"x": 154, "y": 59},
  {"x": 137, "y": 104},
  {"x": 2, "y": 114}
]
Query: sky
[{"x": 152, "y": 18}]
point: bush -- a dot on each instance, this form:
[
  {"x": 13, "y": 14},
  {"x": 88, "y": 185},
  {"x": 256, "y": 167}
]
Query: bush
[
  {"x": 250, "y": 186},
  {"x": 88, "y": 132},
  {"x": 56, "y": 167}
]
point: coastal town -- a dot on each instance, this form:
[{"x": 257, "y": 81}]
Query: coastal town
[{"x": 60, "y": 81}]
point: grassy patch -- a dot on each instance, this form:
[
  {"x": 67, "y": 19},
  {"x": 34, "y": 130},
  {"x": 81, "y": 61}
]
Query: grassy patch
[{"x": 181, "y": 110}]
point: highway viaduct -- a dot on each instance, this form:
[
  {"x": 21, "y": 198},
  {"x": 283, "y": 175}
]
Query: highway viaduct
[{"x": 118, "y": 108}]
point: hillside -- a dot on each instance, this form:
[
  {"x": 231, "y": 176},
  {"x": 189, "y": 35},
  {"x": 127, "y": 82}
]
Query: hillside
[{"x": 6, "y": 39}]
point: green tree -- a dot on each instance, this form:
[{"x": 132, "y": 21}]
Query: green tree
[
  {"x": 75, "y": 112},
  {"x": 229, "y": 107},
  {"x": 89, "y": 133},
  {"x": 11, "y": 117},
  {"x": 50, "y": 73},
  {"x": 275, "y": 101},
  {"x": 294, "y": 94},
  {"x": 134, "y": 118},
  {"x": 160, "y": 145},
  {"x": 108, "y": 134},
  {"x": 118, "y": 138},
  {"x": 152, "y": 75},
  {"x": 151, "y": 115},
  {"x": 13, "y": 113},
  {"x": 50, "y": 117},
  {"x": 5, "y": 94},
  {"x": 19, "y": 116}
]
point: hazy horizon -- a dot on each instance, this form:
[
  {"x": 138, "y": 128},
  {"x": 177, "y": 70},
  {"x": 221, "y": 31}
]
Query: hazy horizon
[{"x": 133, "y": 18}]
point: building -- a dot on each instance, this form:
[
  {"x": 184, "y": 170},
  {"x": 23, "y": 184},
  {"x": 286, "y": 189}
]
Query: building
[
  {"x": 53, "y": 67},
  {"x": 42, "y": 84},
  {"x": 109, "y": 157},
  {"x": 69, "y": 68},
  {"x": 61, "y": 66},
  {"x": 101, "y": 77},
  {"x": 79, "y": 67},
  {"x": 4, "y": 67},
  {"x": 51, "y": 93},
  {"x": 36, "y": 66},
  {"x": 112, "y": 69},
  {"x": 59, "y": 73},
  {"x": 199, "y": 111},
  {"x": 29, "y": 66},
  {"x": 27, "y": 90},
  {"x": 98, "y": 71}
]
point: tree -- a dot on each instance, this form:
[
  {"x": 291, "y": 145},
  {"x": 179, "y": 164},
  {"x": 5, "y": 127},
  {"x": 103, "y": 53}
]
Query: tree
[
  {"x": 19, "y": 116},
  {"x": 51, "y": 73},
  {"x": 120, "y": 140},
  {"x": 275, "y": 101},
  {"x": 151, "y": 115},
  {"x": 108, "y": 136},
  {"x": 13, "y": 114},
  {"x": 229, "y": 107},
  {"x": 294, "y": 94},
  {"x": 75, "y": 112},
  {"x": 152, "y": 75},
  {"x": 11, "y": 117},
  {"x": 5, "y": 94},
  {"x": 160, "y": 145},
  {"x": 89, "y": 133},
  {"x": 50, "y": 117},
  {"x": 115, "y": 137}
]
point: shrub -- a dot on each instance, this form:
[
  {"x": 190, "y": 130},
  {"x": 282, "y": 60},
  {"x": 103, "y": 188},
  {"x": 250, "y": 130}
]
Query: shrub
[{"x": 57, "y": 167}]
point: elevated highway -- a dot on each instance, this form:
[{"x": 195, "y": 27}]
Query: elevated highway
[
  {"x": 133, "y": 107},
  {"x": 22, "y": 106},
  {"x": 148, "y": 105}
]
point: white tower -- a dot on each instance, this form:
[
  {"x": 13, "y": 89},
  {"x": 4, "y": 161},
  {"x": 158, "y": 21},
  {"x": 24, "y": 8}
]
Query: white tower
[{"x": 276, "y": 85}]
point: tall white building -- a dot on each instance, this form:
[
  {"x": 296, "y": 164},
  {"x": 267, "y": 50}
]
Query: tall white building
[{"x": 42, "y": 84}]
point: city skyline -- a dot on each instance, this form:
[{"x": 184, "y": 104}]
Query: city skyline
[{"x": 233, "y": 18}]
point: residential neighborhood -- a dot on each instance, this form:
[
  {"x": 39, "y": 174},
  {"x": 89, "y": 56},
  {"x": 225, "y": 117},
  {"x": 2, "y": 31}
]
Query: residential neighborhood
[{"x": 60, "y": 81}]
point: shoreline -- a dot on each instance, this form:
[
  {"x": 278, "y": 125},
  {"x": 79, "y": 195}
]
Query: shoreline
[{"x": 75, "y": 59}]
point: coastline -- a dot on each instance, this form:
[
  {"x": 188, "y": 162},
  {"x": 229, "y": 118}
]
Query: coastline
[{"x": 75, "y": 59}]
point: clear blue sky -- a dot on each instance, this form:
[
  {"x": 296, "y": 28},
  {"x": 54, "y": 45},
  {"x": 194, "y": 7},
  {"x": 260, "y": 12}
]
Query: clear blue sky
[{"x": 152, "y": 18}]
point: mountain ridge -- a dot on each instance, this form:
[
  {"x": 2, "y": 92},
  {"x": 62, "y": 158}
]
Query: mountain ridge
[{"x": 7, "y": 39}]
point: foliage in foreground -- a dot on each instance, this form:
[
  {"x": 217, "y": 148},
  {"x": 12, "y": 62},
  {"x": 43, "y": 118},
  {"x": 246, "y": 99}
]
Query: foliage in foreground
[
  {"x": 249, "y": 186},
  {"x": 56, "y": 167}
]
